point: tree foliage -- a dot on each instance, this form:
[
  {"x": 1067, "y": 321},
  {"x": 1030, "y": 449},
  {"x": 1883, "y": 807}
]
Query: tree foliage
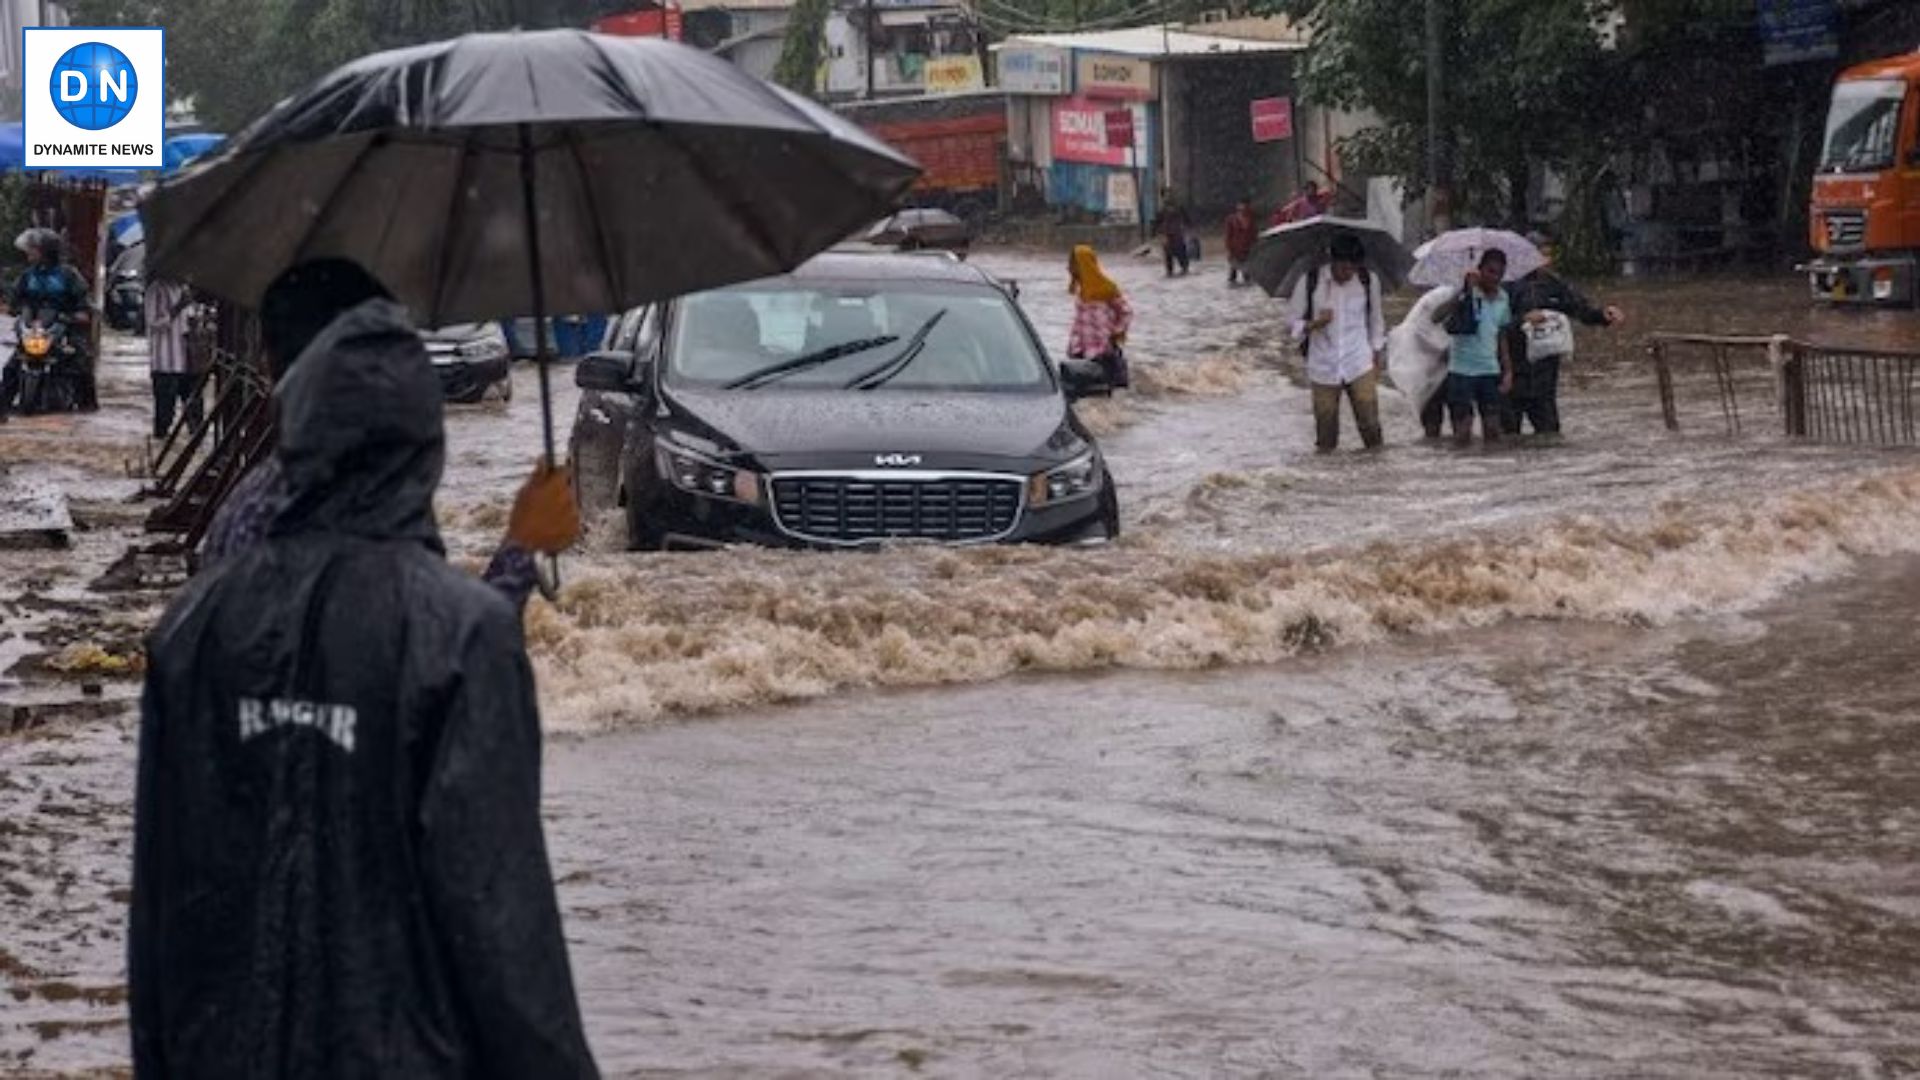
[
  {"x": 1573, "y": 85},
  {"x": 235, "y": 58},
  {"x": 1525, "y": 81},
  {"x": 805, "y": 44}
]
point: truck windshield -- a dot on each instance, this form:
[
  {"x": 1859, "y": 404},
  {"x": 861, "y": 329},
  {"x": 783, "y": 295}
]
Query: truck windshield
[
  {"x": 825, "y": 335},
  {"x": 1862, "y": 125}
]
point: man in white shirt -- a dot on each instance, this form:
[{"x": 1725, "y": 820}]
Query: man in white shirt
[{"x": 1336, "y": 312}]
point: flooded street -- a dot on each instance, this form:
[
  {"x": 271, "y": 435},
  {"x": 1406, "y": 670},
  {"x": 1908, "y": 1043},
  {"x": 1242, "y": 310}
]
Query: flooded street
[
  {"x": 1600, "y": 759},
  {"x": 1571, "y": 850}
]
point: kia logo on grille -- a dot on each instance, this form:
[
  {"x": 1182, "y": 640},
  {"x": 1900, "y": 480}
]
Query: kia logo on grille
[{"x": 896, "y": 461}]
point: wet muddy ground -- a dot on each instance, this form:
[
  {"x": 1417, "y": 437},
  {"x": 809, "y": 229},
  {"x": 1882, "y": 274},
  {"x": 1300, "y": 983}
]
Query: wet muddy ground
[{"x": 1593, "y": 759}]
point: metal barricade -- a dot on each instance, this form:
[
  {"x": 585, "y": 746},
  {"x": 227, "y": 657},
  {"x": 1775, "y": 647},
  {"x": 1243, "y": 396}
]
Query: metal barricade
[
  {"x": 1823, "y": 393},
  {"x": 1860, "y": 396},
  {"x": 1729, "y": 359},
  {"x": 198, "y": 465}
]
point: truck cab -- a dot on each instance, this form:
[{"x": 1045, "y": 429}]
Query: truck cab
[{"x": 1865, "y": 221}]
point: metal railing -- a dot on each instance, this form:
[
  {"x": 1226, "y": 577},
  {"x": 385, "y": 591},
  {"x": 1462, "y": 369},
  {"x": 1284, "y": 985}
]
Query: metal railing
[
  {"x": 198, "y": 465},
  {"x": 1860, "y": 396},
  {"x": 1821, "y": 393}
]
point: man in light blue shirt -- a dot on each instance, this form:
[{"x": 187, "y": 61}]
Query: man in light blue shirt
[{"x": 1479, "y": 367}]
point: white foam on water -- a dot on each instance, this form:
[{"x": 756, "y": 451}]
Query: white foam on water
[{"x": 637, "y": 638}]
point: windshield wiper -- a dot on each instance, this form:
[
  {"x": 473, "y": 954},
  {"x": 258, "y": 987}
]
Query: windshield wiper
[
  {"x": 899, "y": 361},
  {"x": 756, "y": 379}
]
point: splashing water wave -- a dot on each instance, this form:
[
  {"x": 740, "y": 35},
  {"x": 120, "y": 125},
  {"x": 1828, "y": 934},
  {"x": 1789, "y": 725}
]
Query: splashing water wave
[{"x": 637, "y": 639}]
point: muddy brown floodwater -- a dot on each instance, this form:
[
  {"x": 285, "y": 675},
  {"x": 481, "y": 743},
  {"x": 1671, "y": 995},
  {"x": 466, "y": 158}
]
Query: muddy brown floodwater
[{"x": 1590, "y": 760}]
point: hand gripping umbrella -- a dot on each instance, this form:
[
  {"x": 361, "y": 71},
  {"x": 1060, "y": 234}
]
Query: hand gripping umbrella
[{"x": 617, "y": 171}]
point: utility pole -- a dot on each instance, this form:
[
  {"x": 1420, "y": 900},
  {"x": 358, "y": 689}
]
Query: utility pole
[
  {"x": 867, "y": 36},
  {"x": 1439, "y": 171}
]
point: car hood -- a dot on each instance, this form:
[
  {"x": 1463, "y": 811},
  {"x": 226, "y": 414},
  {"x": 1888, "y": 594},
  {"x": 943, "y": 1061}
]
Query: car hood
[{"x": 773, "y": 424}]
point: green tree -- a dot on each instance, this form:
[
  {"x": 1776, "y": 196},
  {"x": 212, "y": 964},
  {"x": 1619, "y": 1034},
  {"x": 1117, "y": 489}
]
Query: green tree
[
  {"x": 805, "y": 44},
  {"x": 1525, "y": 83}
]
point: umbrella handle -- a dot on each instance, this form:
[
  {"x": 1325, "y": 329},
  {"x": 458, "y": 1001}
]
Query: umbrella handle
[{"x": 546, "y": 578}]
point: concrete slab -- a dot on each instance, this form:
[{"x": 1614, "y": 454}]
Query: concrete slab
[{"x": 33, "y": 512}]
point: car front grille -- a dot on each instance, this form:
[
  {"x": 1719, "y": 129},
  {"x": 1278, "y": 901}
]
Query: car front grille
[
  {"x": 855, "y": 509},
  {"x": 1846, "y": 229}
]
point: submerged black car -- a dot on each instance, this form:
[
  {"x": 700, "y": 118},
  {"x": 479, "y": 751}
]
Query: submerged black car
[{"x": 863, "y": 399}]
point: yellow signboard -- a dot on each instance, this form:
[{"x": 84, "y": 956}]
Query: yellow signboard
[{"x": 954, "y": 74}]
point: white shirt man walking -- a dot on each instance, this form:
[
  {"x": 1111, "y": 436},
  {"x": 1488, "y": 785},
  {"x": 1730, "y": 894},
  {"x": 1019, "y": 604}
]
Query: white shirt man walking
[
  {"x": 1336, "y": 312},
  {"x": 174, "y": 383}
]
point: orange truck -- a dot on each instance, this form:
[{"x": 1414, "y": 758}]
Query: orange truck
[{"x": 1865, "y": 221}]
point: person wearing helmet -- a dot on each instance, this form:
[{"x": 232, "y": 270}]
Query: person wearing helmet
[{"x": 47, "y": 284}]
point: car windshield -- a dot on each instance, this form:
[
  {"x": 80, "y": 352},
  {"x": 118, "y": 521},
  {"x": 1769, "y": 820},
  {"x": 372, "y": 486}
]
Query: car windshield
[
  {"x": 725, "y": 337},
  {"x": 1862, "y": 124}
]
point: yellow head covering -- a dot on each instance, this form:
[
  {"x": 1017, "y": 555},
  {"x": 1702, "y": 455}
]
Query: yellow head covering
[{"x": 1087, "y": 279}]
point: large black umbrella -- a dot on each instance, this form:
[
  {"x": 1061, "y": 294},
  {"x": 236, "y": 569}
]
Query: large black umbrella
[
  {"x": 1284, "y": 254},
  {"x": 506, "y": 174}
]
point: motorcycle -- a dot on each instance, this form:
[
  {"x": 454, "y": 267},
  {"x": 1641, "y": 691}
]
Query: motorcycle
[
  {"x": 126, "y": 300},
  {"x": 55, "y": 371}
]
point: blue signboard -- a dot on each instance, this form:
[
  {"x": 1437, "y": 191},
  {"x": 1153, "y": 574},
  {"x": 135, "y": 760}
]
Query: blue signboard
[{"x": 1795, "y": 31}]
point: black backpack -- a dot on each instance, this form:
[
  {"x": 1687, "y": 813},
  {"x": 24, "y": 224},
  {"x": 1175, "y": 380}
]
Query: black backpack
[{"x": 1313, "y": 286}]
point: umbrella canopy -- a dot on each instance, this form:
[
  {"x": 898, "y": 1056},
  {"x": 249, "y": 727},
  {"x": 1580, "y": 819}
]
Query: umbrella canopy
[
  {"x": 651, "y": 170},
  {"x": 1445, "y": 259},
  {"x": 1283, "y": 255}
]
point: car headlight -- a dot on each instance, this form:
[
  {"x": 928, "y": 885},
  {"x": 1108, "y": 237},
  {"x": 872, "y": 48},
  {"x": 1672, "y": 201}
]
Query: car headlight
[
  {"x": 1077, "y": 479},
  {"x": 483, "y": 349},
  {"x": 701, "y": 475}
]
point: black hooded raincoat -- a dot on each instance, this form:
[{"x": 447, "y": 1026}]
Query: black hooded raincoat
[{"x": 338, "y": 868}]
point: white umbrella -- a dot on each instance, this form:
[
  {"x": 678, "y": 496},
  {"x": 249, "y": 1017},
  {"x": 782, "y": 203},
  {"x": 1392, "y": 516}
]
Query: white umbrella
[{"x": 1446, "y": 258}]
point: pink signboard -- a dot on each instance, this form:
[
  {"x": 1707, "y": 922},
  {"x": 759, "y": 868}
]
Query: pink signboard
[
  {"x": 1080, "y": 134},
  {"x": 1272, "y": 119}
]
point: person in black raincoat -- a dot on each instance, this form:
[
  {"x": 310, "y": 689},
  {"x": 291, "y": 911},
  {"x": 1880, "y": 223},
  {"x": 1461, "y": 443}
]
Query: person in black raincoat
[
  {"x": 1536, "y": 379},
  {"x": 339, "y": 869}
]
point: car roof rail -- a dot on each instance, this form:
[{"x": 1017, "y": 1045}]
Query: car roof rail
[{"x": 859, "y": 247}]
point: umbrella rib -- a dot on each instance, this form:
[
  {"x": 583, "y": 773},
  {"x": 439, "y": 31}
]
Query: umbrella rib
[
  {"x": 633, "y": 100},
  {"x": 455, "y": 206},
  {"x": 608, "y": 267}
]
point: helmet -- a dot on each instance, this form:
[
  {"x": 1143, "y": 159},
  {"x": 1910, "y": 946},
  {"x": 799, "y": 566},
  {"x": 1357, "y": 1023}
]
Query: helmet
[{"x": 47, "y": 240}]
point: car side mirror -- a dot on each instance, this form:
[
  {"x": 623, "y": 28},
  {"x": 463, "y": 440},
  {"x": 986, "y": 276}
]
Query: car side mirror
[
  {"x": 612, "y": 371},
  {"x": 1084, "y": 379}
]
